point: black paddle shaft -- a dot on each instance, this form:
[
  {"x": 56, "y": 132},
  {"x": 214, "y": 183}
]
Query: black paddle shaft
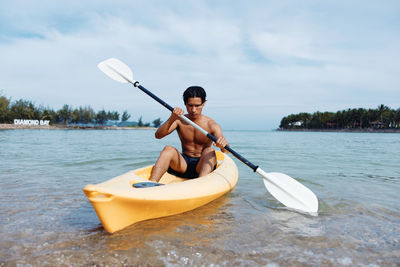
[{"x": 212, "y": 137}]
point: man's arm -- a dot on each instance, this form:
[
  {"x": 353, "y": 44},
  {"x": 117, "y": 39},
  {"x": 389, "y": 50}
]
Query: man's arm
[
  {"x": 170, "y": 125},
  {"x": 221, "y": 141}
]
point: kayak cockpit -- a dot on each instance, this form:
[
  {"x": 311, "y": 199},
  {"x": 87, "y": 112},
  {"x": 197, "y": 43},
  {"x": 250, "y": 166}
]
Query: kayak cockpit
[{"x": 168, "y": 178}]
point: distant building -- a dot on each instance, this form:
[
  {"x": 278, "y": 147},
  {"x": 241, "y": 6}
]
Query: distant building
[
  {"x": 331, "y": 124},
  {"x": 377, "y": 125},
  {"x": 127, "y": 124},
  {"x": 111, "y": 123},
  {"x": 297, "y": 123}
]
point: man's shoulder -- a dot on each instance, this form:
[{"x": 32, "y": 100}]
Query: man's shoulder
[
  {"x": 210, "y": 122},
  {"x": 207, "y": 119}
]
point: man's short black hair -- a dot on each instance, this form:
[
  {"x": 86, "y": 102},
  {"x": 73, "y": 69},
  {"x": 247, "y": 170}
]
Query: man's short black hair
[{"x": 194, "y": 91}]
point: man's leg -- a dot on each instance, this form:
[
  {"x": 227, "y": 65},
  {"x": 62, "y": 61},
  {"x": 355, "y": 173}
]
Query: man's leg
[
  {"x": 169, "y": 157},
  {"x": 207, "y": 162}
]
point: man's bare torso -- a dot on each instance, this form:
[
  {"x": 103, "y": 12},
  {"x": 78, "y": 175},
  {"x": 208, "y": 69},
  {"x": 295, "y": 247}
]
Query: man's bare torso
[{"x": 193, "y": 141}]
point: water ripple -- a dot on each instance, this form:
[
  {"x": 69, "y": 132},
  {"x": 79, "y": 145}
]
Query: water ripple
[{"x": 47, "y": 220}]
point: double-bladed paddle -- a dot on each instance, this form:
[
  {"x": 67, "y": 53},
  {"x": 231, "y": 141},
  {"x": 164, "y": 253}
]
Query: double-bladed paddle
[{"x": 284, "y": 188}]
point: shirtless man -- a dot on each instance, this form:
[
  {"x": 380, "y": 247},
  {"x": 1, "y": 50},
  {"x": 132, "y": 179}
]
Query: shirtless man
[{"x": 198, "y": 157}]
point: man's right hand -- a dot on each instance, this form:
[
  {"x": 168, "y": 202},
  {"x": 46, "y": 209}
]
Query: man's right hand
[
  {"x": 170, "y": 125},
  {"x": 176, "y": 113}
]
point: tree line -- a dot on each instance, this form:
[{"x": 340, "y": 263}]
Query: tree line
[
  {"x": 382, "y": 117},
  {"x": 25, "y": 109}
]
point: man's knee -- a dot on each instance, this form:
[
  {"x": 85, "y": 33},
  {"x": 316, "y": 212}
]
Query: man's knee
[
  {"x": 168, "y": 151},
  {"x": 208, "y": 152}
]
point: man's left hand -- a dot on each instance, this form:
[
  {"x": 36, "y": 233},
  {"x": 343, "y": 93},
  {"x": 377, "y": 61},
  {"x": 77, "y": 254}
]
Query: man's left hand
[{"x": 221, "y": 143}]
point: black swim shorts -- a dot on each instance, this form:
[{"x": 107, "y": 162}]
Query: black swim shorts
[{"x": 190, "y": 172}]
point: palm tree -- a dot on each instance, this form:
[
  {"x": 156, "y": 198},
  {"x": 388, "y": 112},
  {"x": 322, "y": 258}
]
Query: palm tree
[
  {"x": 125, "y": 116},
  {"x": 4, "y": 109},
  {"x": 397, "y": 118},
  {"x": 65, "y": 114},
  {"x": 22, "y": 109},
  {"x": 157, "y": 122},
  {"x": 101, "y": 117},
  {"x": 381, "y": 109}
]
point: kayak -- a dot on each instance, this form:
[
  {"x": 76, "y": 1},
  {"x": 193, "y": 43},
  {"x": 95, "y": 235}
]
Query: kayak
[{"x": 119, "y": 203}]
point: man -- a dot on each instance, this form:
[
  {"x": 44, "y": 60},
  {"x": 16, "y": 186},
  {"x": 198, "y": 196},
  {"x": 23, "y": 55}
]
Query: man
[{"x": 198, "y": 157}]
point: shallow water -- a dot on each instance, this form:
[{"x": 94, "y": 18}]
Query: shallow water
[{"x": 47, "y": 220}]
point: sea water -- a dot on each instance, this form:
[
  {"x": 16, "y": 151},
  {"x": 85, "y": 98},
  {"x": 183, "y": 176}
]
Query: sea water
[{"x": 45, "y": 219}]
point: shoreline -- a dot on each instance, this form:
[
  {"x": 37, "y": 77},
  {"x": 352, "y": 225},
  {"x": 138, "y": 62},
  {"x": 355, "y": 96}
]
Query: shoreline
[
  {"x": 5, "y": 126},
  {"x": 368, "y": 130}
]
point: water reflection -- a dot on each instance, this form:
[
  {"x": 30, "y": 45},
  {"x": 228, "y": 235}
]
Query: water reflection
[{"x": 191, "y": 228}]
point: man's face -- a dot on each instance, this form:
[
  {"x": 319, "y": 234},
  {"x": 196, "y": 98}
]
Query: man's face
[{"x": 194, "y": 107}]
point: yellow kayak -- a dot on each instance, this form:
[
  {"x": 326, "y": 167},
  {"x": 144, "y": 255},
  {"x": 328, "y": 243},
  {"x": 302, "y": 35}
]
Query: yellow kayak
[{"x": 119, "y": 204}]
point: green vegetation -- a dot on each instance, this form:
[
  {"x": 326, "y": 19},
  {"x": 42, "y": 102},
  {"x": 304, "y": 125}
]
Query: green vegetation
[
  {"x": 24, "y": 109},
  {"x": 125, "y": 116},
  {"x": 381, "y": 118},
  {"x": 157, "y": 122}
]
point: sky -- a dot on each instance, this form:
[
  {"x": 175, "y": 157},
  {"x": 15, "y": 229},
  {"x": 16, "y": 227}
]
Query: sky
[{"x": 258, "y": 60}]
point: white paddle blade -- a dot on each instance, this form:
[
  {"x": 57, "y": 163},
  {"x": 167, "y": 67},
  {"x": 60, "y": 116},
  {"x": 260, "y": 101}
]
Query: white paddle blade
[
  {"x": 290, "y": 192},
  {"x": 116, "y": 70}
]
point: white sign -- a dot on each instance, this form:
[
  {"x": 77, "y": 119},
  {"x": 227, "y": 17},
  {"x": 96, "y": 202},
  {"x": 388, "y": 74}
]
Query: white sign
[{"x": 31, "y": 122}]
